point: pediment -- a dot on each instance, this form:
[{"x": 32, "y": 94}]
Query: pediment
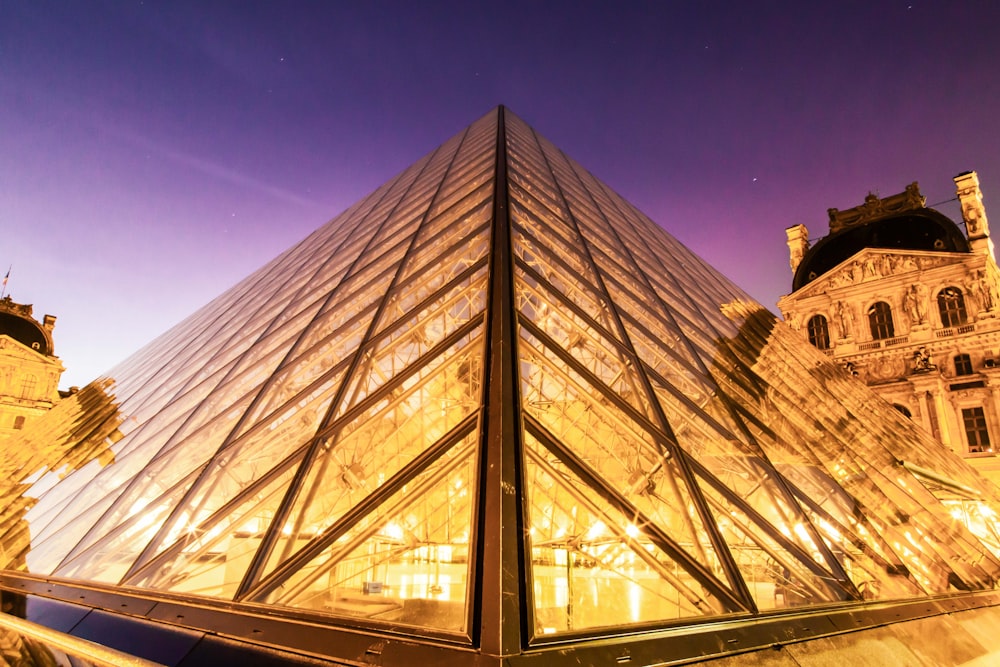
[
  {"x": 18, "y": 351},
  {"x": 877, "y": 264}
]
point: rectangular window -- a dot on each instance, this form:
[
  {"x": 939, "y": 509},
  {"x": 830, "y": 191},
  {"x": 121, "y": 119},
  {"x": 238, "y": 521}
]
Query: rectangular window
[
  {"x": 963, "y": 364},
  {"x": 975, "y": 430}
]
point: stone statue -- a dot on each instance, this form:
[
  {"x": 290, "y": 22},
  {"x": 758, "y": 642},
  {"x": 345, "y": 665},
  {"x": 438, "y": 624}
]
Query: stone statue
[
  {"x": 886, "y": 268},
  {"x": 871, "y": 271},
  {"x": 989, "y": 291},
  {"x": 981, "y": 289},
  {"x": 921, "y": 293},
  {"x": 910, "y": 303},
  {"x": 845, "y": 319},
  {"x": 922, "y": 361},
  {"x": 975, "y": 290},
  {"x": 915, "y": 303}
]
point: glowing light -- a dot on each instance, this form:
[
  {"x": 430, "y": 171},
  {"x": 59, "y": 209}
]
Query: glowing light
[
  {"x": 632, "y": 531},
  {"x": 598, "y": 529},
  {"x": 393, "y": 530},
  {"x": 829, "y": 529},
  {"x": 251, "y": 526}
]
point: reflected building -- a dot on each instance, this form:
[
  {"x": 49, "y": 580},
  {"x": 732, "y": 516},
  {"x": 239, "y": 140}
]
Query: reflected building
[
  {"x": 29, "y": 369},
  {"x": 492, "y": 414},
  {"x": 910, "y": 305}
]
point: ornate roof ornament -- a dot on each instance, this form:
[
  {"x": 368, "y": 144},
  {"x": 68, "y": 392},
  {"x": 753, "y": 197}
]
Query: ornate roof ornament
[{"x": 909, "y": 199}]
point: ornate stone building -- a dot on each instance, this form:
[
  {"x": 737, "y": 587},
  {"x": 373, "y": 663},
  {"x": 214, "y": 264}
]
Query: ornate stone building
[
  {"x": 29, "y": 371},
  {"x": 909, "y": 304}
]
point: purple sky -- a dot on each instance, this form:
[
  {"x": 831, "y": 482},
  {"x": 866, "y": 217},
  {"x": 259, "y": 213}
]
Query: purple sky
[{"x": 154, "y": 153}]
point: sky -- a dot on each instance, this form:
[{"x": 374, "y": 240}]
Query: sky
[{"x": 154, "y": 153}]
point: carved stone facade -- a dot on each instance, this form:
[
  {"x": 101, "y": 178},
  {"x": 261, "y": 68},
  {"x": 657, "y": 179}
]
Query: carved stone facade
[
  {"x": 914, "y": 316},
  {"x": 29, "y": 371}
]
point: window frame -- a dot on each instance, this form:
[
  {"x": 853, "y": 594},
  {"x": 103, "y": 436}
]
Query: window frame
[
  {"x": 818, "y": 330},
  {"x": 977, "y": 432},
  {"x": 963, "y": 365},
  {"x": 880, "y": 321},
  {"x": 951, "y": 307}
]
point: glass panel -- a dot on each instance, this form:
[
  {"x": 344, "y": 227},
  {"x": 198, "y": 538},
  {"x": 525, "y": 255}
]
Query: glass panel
[
  {"x": 109, "y": 559},
  {"x": 213, "y": 554},
  {"x": 158, "y": 476},
  {"x": 593, "y": 567},
  {"x": 813, "y": 401},
  {"x": 253, "y": 456},
  {"x": 407, "y": 560},
  {"x": 776, "y": 569},
  {"x": 587, "y": 344},
  {"x": 623, "y": 452},
  {"x": 876, "y": 573},
  {"x": 404, "y": 420},
  {"x": 78, "y": 434},
  {"x": 416, "y": 336}
]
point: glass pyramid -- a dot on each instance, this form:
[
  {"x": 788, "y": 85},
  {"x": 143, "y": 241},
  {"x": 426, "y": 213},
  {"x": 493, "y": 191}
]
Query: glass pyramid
[{"x": 492, "y": 403}]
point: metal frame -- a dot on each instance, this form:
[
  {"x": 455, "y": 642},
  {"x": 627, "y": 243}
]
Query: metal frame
[{"x": 272, "y": 628}]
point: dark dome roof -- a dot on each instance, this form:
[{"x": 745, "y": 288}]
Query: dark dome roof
[
  {"x": 25, "y": 331},
  {"x": 922, "y": 229}
]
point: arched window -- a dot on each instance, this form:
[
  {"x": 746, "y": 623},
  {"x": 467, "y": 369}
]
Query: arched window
[
  {"x": 905, "y": 411},
  {"x": 880, "y": 321},
  {"x": 819, "y": 332},
  {"x": 951, "y": 306}
]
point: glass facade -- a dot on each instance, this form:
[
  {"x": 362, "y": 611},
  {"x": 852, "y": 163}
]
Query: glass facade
[{"x": 491, "y": 390}]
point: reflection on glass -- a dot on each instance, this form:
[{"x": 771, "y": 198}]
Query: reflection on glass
[{"x": 78, "y": 434}]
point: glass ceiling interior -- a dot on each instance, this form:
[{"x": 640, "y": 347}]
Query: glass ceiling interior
[{"x": 319, "y": 437}]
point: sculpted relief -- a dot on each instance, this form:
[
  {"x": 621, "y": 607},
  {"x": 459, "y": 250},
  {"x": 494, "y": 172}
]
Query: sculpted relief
[
  {"x": 873, "y": 267},
  {"x": 982, "y": 289},
  {"x": 883, "y": 368}
]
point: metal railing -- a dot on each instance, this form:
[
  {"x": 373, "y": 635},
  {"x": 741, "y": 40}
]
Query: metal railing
[{"x": 74, "y": 647}]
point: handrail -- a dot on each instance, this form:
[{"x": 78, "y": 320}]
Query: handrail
[{"x": 96, "y": 654}]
